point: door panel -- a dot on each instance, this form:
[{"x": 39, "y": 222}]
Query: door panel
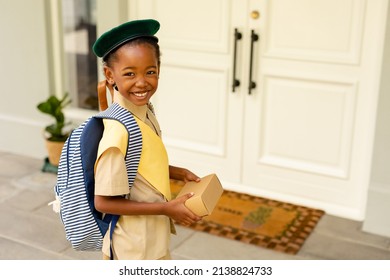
[
  {"x": 184, "y": 113},
  {"x": 306, "y": 125},
  {"x": 204, "y": 29},
  {"x": 320, "y": 30}
]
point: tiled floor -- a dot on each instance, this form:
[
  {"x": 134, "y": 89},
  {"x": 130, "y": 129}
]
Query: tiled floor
[{"x": 31, "y": 230}]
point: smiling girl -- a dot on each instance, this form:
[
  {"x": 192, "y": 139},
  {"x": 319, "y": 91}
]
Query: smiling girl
[{"x": 131, "y": 64}]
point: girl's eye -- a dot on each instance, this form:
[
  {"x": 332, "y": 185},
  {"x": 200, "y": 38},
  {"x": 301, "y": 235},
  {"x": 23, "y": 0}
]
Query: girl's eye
[
  {"x": 129, "y": 74},
  {"x": 152, "y": 72}
]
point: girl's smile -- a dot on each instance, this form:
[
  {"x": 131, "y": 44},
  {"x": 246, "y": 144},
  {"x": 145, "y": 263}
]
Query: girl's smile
[{"x": 140, "y": 95}]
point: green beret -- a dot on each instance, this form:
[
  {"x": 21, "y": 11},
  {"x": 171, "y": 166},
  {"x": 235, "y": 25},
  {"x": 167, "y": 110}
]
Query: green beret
[{"x": 123, "y": 33}]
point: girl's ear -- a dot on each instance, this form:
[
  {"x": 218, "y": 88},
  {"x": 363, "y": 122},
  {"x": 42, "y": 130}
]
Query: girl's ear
[{"x": 109, "y": 75}]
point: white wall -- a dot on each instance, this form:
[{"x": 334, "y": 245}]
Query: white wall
[
  {"x": 378, "y": 203},
  {"x": 24, "y": 76}
]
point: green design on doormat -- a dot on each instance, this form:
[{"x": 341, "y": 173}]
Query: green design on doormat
[{"x": 258, "y": 217}]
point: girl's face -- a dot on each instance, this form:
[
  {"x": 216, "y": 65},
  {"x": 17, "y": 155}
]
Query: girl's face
[{"x": 135, "y": 72}]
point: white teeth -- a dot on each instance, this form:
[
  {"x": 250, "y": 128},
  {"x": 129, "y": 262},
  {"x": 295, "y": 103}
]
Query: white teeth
[{"x": 141, "y": 94}]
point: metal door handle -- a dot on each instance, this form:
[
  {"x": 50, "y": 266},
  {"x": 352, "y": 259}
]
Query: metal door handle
[
  {"x": 252, "y": 84},
  {"x": 237, "y": 36}
]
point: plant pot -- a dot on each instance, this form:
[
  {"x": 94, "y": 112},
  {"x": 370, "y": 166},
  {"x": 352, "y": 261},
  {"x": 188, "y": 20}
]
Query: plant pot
[{"x": 54, "y": 150}]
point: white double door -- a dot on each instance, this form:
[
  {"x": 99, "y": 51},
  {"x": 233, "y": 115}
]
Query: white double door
[{"x": 302, "y": 134}]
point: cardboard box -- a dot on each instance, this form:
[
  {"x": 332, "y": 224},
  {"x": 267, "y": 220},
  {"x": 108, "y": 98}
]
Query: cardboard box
[{"x": 206, "y": 194}]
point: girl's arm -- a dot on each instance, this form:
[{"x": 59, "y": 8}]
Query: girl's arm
[{"x": 175, "y": 209}]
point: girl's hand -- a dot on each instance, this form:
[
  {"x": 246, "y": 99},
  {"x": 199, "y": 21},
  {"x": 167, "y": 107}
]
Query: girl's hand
[
  {"x": 189, "y": 176},
  {"x": 176, "y": 210},
  {"x": 182, "y": 174}
]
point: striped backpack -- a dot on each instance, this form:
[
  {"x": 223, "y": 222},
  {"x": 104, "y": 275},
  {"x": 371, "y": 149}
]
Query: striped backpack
[{"x": 84, "y": 226}]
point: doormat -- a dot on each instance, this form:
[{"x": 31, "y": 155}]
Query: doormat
[{"x": 271, "y": 224}]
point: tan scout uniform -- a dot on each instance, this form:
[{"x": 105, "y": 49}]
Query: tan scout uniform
[{"x": 135, "y": 236}]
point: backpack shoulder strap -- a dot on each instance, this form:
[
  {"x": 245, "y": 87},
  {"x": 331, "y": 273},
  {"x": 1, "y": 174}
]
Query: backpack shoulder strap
[{"x": 134, "y": 147}]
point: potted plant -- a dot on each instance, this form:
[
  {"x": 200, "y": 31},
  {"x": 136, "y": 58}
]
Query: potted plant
[{"x": 55, "y": 133}]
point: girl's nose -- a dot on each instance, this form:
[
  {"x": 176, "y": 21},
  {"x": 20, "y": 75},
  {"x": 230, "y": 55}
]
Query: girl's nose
[{"x": 141, "y": 82}]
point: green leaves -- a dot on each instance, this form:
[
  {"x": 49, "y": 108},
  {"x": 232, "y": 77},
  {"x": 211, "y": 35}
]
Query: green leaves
[{"x": 54, "y": 107}]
